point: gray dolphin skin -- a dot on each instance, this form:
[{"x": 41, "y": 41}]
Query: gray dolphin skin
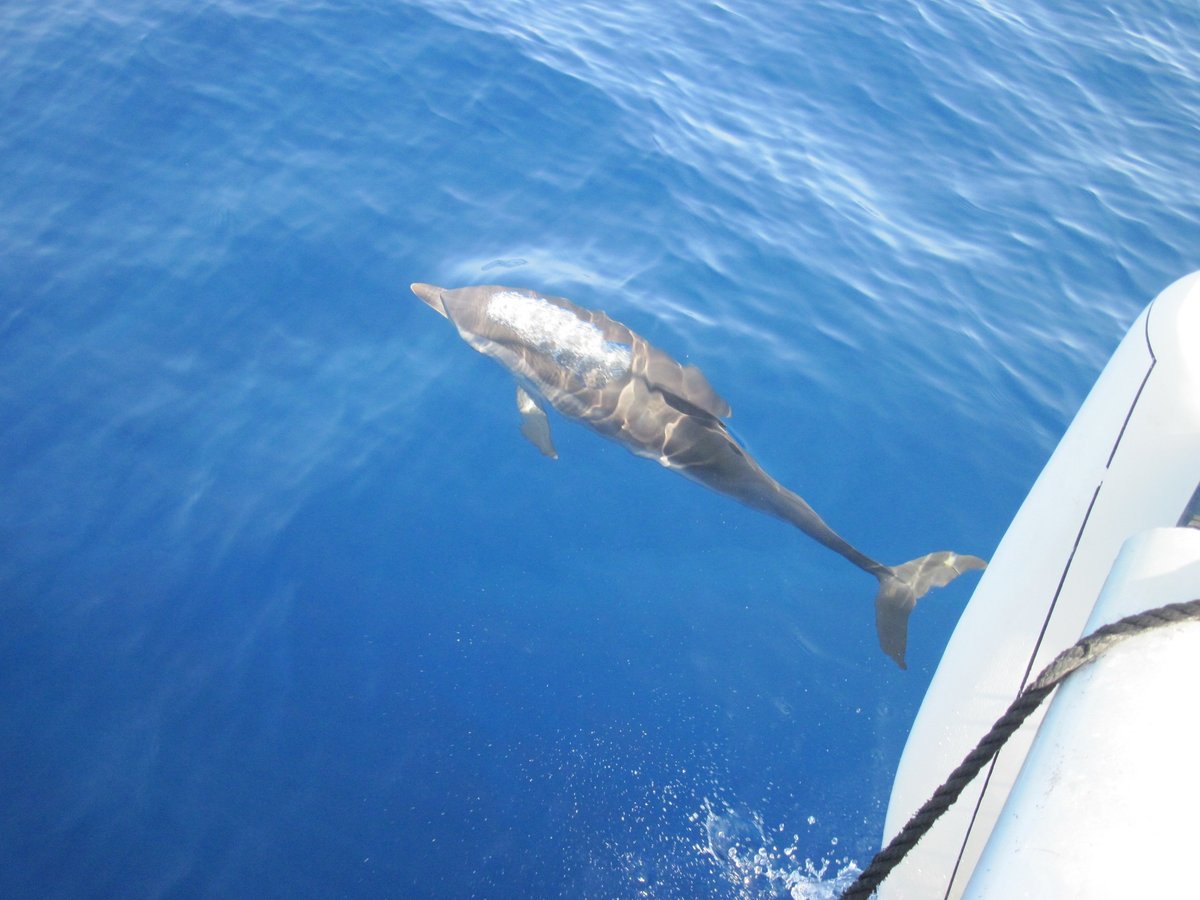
[{"x": 597, "y": 372}]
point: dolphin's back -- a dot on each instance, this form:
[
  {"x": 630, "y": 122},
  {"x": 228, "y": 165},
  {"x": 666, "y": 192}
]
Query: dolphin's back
[{"x": 578, "y": 359}]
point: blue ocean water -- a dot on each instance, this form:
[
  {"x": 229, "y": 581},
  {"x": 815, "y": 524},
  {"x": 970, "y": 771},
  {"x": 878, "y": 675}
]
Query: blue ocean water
[{"x": 287, "y": 605}]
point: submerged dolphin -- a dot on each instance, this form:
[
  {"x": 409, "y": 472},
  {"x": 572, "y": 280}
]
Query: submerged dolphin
[{"x": 598, "y": 372}]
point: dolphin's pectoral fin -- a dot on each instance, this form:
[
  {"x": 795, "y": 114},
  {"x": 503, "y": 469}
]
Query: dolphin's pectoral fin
[{"x": 534, "y": 424}]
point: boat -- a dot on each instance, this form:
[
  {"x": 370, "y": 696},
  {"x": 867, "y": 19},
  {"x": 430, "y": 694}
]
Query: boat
[{"x": 1094, "y": 795}]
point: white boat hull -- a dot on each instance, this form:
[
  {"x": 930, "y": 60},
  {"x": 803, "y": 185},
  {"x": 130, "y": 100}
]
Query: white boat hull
[{"x": 1129, "y": 463}]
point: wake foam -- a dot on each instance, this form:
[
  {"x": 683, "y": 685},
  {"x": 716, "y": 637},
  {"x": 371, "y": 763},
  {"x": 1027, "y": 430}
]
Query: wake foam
[
  {"x": 749, "y": 857},
  {"x": 637, "y": 820}
]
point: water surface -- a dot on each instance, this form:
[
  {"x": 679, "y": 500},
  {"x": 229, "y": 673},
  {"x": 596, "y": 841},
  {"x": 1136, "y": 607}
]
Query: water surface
[{"x": 287, "y": 605}]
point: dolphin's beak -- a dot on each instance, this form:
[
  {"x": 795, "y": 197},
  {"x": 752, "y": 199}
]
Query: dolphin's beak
[{"x": 431, "y": 294}]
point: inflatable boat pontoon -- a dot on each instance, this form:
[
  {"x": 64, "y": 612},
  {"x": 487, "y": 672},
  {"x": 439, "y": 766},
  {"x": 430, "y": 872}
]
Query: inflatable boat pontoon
[{"x": 1097, "y": 794}]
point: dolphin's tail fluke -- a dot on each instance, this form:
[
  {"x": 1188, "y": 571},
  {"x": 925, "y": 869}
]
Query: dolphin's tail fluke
[{"x": 900, "y": 588}]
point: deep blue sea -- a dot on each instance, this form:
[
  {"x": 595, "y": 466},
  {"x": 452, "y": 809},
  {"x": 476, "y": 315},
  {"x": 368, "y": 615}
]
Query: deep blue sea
[{"x": 289, "y": 608}]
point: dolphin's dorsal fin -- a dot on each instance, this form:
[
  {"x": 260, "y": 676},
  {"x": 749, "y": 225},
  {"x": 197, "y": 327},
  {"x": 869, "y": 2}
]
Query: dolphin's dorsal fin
[
  {"x": 534, "y": 424},
  {"x": 686, "y": 382}
]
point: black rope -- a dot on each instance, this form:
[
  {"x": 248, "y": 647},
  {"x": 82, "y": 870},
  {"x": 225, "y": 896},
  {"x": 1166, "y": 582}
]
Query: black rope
[{"x": 1080, "y": 654}]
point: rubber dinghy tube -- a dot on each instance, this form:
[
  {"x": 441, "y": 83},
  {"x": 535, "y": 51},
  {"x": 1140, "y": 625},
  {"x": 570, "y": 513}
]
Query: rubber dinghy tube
[{"x": 1085, "y": 650}]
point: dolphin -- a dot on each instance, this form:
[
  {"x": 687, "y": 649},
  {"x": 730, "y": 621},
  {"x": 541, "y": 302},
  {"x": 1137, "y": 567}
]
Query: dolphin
[{"x": 596, "y": 371}]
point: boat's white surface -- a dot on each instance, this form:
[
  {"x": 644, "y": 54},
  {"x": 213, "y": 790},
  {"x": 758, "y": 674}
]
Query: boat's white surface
[
  {"x": 1129, "y": 463},
  {"x": 1099, "y": 807}
]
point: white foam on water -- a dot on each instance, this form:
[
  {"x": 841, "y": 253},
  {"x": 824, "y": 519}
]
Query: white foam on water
[
  {"x": 670, "y": 826},
  {"x": 570, "y": 341},
  {"x": 760, "y": 863}
]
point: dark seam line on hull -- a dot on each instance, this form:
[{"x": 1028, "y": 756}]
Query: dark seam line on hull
[{"x": 1062, "y": 580}]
